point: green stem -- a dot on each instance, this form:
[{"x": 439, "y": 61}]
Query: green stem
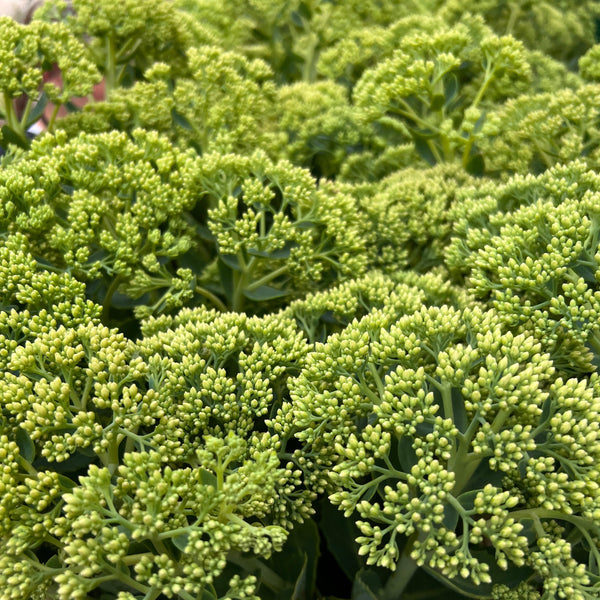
[
  {"x": 210, "y": 296},
  {"x": 464, "y": 470},
  {"x": 110, "y": 459},
  {"x": 110, "y": 73},
  {"x": 409, "y": 113},
  {"x": 11, "y": 117},
  {"x": 133, "y": 559},
  {"x": 465, "y": 465},
  {"x": 543, "y": 513},
  {"x": 26, "y": 112},
  {"x": 405, "y": 569},
  {"x": 160, "y": 545},
  {"x": 309, "y": 71},
  {"x": 112, "y": 288},
  {"x": 489, "y": 75},
  {"x": 515, "y": 13},
  {"x": 127, "y": 580},
  {"x": 27, "y": 466},
  {"x": 377, "y": 380},
  {"x": 152, "y": 594},
  {"x": 446, "y": 391},
  {"x": 53, "y": 116},
  {"x": 267, "y": 278}
]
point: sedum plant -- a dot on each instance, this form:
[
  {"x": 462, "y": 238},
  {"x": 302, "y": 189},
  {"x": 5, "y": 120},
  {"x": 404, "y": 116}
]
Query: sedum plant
[
  {"x": 151, "y": 228},
  {"x": 124, "y": 39},
  {"x": 532, "y": 252},
  {"x": 223, "y": 105},
  {"x": 456, "y": 447},
  {"x": 304, "y": 305},
  {"x": 28, "y": 54}
]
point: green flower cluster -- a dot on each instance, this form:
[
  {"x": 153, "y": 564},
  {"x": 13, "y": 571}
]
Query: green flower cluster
[{"x": 304, "y": 304}]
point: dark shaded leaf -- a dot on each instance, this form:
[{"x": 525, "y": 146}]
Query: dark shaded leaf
[
  {"x": 226, "y": 275},
  {"x": 450, "y": 517},
  {"x": 306, "y": 538},
  {"x": 180, "y": 120},
  {"x": 424, "y": 587},
  {"x": 66, "y": 483},
  {"x": 296, "y": 19},
  {"x": 300, "y": 587},
  {"x": 475, "y": 165},
  {"x": 479, "y": 123},
  {"x": 26, "y": 446},
  {"x": 306, "y": 225},
  {"x": 467, "y": 498},
  {"x": 458, "y": 409},
  {"x": 37, "y": 110},
  {"x": 406, "y": 454},
  {"x": 424, "y": 150},
  {"x": 510, "y": 578},
  {"x": 11, "y": 137},
  {"x": 54, "y": 562},
  {"x": 232, "y": 261},
  {"x": 450, "y": 88},
  {"x": 264, "y": 293},
  {"x": 339, "y": 533},
  {"x": 366, "y": 586}
]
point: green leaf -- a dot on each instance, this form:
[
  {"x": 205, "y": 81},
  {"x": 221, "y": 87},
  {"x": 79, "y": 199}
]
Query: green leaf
[
  {"x": 226, "y": 279},
  {"x": 54, "y": 562},
  {"x": 460, "y": 585},
  {"x": 587, "y": 273},
  {"x": 475, "y": 165},
  {"x": 296, "y": 565},
  {"x": 424, "y": 587},
  {"x": 306, "y": 537},
  {"x": 450, "y": 88},
  {"x": 406, "y": 454},
  {"x": 423, "y": 148},
  {"x": 479, "y": 123},
  {"x": 467, "y": 499},
  {"x": 209, "y": 594},
  {"x": 264, "y": 293},
  {"x": 306, "y": 225},
  {"x": 208, "y": 478},
  {"x": 11, "y": 137},
  {"x": 180, "y": 120},
  {"x": 181, "y": 541},
  {"x": 232, "y": 261},
  {"x": 450, "y": 517},
  {"x": 296, "y": 19},
  {"x": 459, "y": 411},
  {"x": 340, "y": 533},
  {"x": 37, "y": 110},
  {"x": 25, "y": 444},
  {"x": 66, "y": 483},
  {"x": 300, "y": 587},
  {"x": 366, "y": 586}
]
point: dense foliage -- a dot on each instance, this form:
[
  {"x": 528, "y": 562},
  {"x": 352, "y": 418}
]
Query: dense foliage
[{"x": 306, "y": 306}]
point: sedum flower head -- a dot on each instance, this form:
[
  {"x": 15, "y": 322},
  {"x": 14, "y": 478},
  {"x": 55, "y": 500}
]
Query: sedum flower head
[
  {"x": 445, "y": 428},
  {"x": 535, "y": 257}
]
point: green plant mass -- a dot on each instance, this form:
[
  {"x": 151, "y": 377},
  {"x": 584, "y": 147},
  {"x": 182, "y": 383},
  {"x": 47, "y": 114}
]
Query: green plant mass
[{"x": 300, "y": 300}]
